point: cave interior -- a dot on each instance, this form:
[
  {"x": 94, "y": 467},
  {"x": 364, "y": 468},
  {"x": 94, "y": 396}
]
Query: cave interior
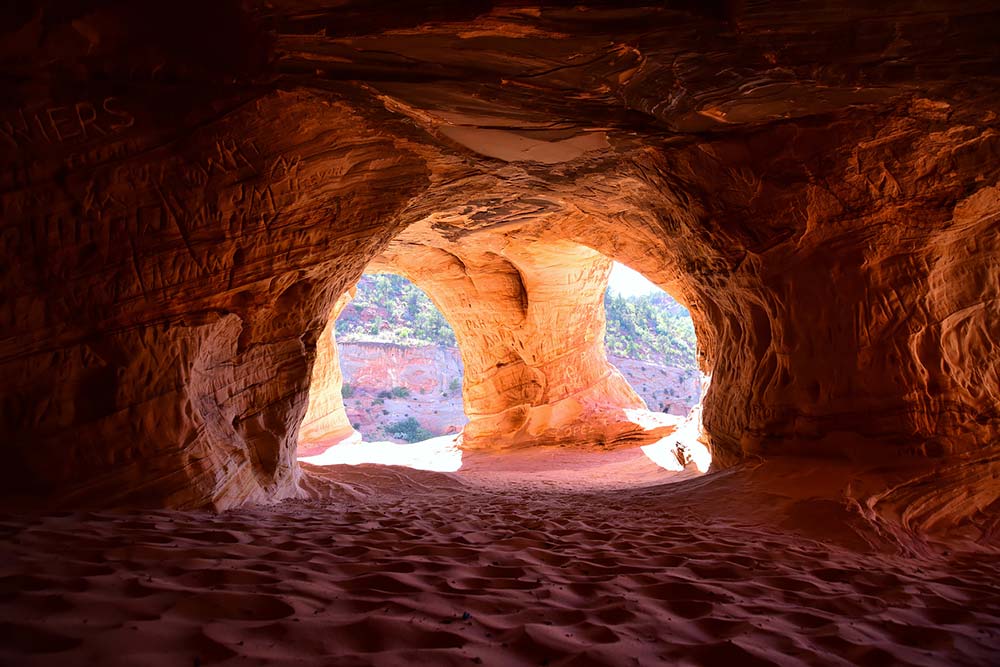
[{"x": 190, "y": 191}]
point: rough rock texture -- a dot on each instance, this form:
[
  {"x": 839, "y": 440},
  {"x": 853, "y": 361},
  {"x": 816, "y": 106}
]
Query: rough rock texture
[
  {"x": 431, "y": 373},
  {"x": 186, "y": 191},
  {"x": 325, "y": 419},
  {"x": 529, "y": 319}
]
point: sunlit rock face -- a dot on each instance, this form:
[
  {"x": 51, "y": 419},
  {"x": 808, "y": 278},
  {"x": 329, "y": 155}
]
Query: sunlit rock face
[
  {"x": 529, "y": 319},
  {"x": 528, "y": 316},
  {"x": 325, "y": 421},
  {"x": 186, "y": 193}
]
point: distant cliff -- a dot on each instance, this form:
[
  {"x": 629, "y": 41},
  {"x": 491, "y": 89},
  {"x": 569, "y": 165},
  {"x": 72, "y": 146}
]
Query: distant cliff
[
  {"x": 390, "y": 309},
  {"x": 387, "y": 384}
]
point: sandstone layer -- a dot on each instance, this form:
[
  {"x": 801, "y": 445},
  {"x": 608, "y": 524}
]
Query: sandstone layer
[
  {"x": 432, "y": 376},
  {"x": 186, "y": 192}
]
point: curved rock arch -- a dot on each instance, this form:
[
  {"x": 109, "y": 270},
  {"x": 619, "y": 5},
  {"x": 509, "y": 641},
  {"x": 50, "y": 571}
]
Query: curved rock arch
[
  {"x": 177, "y": 226},
  {"x": 528, "y": 316}
]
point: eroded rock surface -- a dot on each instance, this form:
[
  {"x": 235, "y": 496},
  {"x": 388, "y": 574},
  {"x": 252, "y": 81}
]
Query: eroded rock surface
[
  {"x": 529, "y": 319},
  {"x": 186, "y": 192},
  {"x": 325, "y": 419}
]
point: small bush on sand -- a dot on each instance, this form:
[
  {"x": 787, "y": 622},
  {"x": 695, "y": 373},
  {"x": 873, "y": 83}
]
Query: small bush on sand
[{"x": 408, "y": 430}]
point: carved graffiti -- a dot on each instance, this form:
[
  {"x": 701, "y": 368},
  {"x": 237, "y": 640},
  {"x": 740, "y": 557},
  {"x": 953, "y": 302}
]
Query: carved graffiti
[
  {"x": 129, "y": 217},
  {"x": 59, "y": 124}
]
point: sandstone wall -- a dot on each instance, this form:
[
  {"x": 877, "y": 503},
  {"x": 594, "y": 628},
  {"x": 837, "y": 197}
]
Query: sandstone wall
[
  {"x": 529, "y": 320},
  {"x": 165, "y": 283},
  {"x": 186, "y": 190},
  {"x": 325, "y": 420}
]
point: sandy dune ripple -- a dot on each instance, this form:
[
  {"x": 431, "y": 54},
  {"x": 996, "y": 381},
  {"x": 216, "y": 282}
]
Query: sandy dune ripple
[{"x": 459, "y": 574}]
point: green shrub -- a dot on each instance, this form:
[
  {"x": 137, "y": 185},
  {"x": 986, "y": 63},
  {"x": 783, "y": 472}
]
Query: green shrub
[
  {"x": 347, "y": 390},
  {"x": 455, "y": 384},
  {"x": 393, "y": 302},
  {"x": 408, "y": 430},
  {"x": 651, "y": 327},
  {"x": 400, "y": 392}
]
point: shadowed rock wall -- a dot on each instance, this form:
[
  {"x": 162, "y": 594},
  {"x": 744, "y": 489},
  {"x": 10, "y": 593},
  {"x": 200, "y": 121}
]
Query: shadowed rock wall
[
  {"x": 185, "y": 193},
  {"x": 325, "y": 420},
  {"x": 529, "y": 319}
]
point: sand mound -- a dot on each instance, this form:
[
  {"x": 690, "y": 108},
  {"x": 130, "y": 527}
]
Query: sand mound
[{"x": 399, "y": 567}]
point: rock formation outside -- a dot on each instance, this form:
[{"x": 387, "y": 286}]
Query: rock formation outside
[
  {"x": 401, "y": 370},
  {"x": 189, "y": 191}
]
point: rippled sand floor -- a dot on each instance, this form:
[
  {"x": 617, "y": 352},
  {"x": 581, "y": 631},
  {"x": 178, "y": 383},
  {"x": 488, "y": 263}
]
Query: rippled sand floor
[{"x": 401, "y": 567}]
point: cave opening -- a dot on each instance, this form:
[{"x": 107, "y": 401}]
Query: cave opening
[
  {"x": 387, "y": 384},
  {"x": 400, "y": 363},
  {"x": 568, "y": 350},
  {"x": 650, "y": 339}
]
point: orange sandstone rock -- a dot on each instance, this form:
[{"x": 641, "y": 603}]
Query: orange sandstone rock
[{"x": 185, "y": 195}]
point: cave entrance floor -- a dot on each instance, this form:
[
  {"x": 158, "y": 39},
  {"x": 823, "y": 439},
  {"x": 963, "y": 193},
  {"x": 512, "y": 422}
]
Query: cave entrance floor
[
  {"x": 567, "y": 469},
  {"x": 386, "y": 565}
]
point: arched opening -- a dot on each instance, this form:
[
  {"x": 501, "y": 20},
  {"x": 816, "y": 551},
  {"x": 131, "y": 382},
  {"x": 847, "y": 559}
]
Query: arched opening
[
  {"x": 386, "y": 384},
  {"x": 650, "y": 338},
  {"x": 527, "y": 364},
  {"x": 401, "y": 368}
]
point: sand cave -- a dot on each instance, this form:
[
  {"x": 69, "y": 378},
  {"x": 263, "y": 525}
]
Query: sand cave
[{"x": 192, "y": 191}]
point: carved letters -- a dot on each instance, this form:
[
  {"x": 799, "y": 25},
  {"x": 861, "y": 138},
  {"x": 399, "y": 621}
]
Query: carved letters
[
  {"x": 122, "y": 202},
  {"x": 81, "y": 121}
]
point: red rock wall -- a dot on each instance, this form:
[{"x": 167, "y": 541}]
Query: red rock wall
[
  {"x": 185, "y": 192},
  {"x": 421, "y": 369},
  {"x": 834, "y": 330},
  {"x": 162, "y": 298}
]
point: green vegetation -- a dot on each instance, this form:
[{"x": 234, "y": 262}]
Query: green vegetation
[
  {"x": 346, "y": 390},
  {"x": 408, "y": 430},
  {"x": 651, "y": 327},
  {"x": 390, "y": 309},
  {"x": 395, "y": 392}
]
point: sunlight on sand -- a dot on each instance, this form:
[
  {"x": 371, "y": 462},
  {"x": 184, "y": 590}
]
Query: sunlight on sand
[
  {"x": 649, "y": 420},
  {"x": 663, "y": 452},
  {"x": 437, "y": 454}
]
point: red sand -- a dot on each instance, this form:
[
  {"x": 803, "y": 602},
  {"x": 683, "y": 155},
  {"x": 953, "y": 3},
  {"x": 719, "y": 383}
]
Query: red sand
[{"x": 498, "y": 566}]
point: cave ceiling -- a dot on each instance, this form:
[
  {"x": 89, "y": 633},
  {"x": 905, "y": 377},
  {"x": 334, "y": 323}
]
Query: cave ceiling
[{"x": 187, "y": 189}]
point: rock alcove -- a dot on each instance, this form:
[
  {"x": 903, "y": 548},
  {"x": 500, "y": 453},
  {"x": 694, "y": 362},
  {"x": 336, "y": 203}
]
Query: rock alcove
[
  {"x": 529, "y": 321},
  {"x": 189, "y": 189},
  {"x": 181, "y": 215}
]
